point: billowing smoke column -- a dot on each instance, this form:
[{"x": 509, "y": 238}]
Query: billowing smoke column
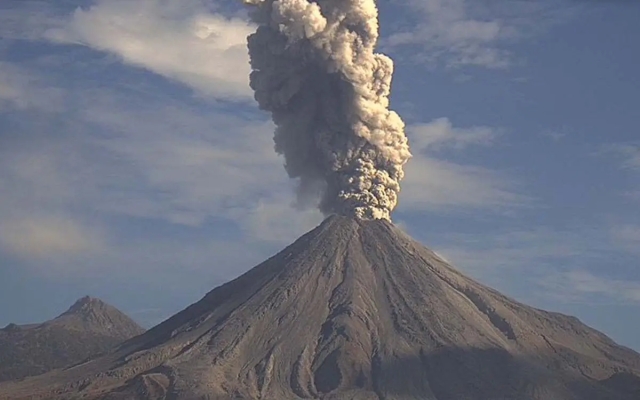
[{"x": 315, "y": 70}]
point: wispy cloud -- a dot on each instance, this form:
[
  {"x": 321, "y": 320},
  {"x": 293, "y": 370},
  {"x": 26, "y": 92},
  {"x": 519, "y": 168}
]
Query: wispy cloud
[
  {"x": 460, "y": 33},
  {"x": 517, "y": 249},
  {"x": 627, "y": 157},
  {"x": 448, "y": 31},
  {"x": 433, "y": 182},
  {"x": 181, "y": 40},
  {"x": 49, "y": 237},
  {"x": 579, "y": 286},
  {"x": 157, "y": 160},
  {"x": 627, "y": 237},
  {"x": 30, "y": 19},
  {"x": 202, "y": 165},
  {"x": 570, "y": 266},
  {"x": 21, "y": 90},
  {"x": 628, "y": 154},
  {"x": 105, "y": 154},
  {"x": 440, "y": 133},
  {"x": 556, "y": 134},
  {"x": 274, "y": 220}
]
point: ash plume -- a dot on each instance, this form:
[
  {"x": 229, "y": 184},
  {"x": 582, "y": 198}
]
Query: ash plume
[{"x": 315, "y": 70}]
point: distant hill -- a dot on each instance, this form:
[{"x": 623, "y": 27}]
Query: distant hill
[{"x": 88, "y": 328}]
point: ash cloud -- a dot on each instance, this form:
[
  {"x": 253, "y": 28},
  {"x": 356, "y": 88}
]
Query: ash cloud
[{"x": 315, "y": 69}]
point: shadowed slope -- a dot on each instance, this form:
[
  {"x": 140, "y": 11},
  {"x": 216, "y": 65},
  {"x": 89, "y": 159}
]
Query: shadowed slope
[
  {"x": 90, "y": 327},
  {"x": 355, "y": 310}
]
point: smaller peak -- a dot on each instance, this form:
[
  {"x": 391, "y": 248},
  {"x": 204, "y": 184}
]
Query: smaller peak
[
  {"x": 11, "y": 327},
  {"x": 92, "y": 313},
  {"x": 84, "y": 304},
  {"x": 87, "y": 300}
]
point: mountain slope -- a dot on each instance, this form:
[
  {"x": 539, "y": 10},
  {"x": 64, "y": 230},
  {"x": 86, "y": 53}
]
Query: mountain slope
[
  {"x": 90, "y": 327},
  {"x": 354, "y": 310}
]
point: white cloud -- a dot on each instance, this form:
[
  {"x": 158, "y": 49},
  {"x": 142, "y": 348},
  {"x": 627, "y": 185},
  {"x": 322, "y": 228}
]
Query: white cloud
[
  {"x": 556, "y": 134},
  {"x": 581, "y": 286},
  {"x": 21, "y": 90},
  {"x": 112, "y": 154},
  {"x": 627, "y": 153},
  {"x": 464, "y": 32},
  {"x": 29, "y": 19},
  {"x": 49, "y": 237},
  {"x": 440, "y": 133},
  {"x": 202, "y": 166},
  {"x": 433, "y": 183},
  {"x": 627, "y": 237},
  {"x": 12, "y": 87},
  {"x": 518, "y": 249},
  {"x": 543, "y": 262},
  {"x": 181, "y": 40},
  {"x": 447, "y": 30},
  {"x": 275, "y": 220}
]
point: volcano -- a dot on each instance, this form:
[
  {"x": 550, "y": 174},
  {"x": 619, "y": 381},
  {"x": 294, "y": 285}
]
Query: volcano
[{"x": 354, "y": 309}]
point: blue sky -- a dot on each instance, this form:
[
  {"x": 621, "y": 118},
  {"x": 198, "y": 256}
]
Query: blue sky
[{"x": 135, "y": 167}]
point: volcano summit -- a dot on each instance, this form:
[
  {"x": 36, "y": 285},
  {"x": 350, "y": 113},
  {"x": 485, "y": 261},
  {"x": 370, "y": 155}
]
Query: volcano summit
[{"x": 354, "y": 309}]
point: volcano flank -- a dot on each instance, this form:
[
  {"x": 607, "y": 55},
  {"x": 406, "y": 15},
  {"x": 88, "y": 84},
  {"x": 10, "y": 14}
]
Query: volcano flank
[{"x": 354, "y": 309}]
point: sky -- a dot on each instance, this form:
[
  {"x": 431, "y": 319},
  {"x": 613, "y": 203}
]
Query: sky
[{"x": 135, "y": 166}]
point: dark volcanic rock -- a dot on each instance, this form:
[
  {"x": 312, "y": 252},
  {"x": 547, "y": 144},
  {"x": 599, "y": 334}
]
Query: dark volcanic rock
[
  {"x": 89, "y": 328},
  {"x": 354, "y": 310}
]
